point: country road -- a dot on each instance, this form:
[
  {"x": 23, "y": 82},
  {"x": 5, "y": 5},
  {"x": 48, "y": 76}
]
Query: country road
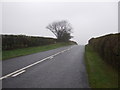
[{"x": 58, "y": 68}]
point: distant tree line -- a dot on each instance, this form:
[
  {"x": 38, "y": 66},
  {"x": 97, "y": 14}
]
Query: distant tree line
[
  {"x": 23, "y": 41},
  {"x": 108, "y": 48}
]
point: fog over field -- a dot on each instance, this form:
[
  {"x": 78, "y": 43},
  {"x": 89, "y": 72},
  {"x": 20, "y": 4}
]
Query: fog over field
[{"x": 88, "y": 19}]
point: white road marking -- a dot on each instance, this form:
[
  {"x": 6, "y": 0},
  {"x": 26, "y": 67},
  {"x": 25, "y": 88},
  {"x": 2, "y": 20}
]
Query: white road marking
[
  {"x": 18, "y": 73},
  {"x": 51, "y": 57},
  {"x": 22, "y": 69}
]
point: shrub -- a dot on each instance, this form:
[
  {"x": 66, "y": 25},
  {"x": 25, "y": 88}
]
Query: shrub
[
  {"x": 21, "y": 41},
  {"x": 108, "y": 48}
]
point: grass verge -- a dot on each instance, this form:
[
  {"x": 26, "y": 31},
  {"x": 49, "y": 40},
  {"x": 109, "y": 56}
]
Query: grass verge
[
  {"x": 25, "y": 51},
  {"x": 100, "y": 74}
]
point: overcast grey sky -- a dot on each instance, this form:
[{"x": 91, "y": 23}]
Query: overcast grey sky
[{"x": 88, "y": 19}]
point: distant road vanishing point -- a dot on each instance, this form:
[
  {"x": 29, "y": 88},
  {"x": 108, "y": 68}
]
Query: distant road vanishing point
[{"x": 58, "y": 68}]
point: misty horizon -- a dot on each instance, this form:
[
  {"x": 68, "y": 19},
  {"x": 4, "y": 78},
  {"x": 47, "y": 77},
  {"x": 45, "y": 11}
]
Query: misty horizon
[{"x": 88, "y": 19}]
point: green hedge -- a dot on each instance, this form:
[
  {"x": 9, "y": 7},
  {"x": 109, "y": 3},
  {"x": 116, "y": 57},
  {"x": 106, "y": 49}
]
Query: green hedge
[
  {"x": 21, "y": 41},
  {"x": 108, "y": 47}
]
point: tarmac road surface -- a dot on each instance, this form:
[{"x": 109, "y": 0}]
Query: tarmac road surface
[{"x": 58, "y": 68}]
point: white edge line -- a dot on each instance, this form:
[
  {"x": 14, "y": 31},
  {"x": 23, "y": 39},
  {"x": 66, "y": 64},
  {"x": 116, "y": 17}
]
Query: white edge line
[{"x": 19, "y": 70}]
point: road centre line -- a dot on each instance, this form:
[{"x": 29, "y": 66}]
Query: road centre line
[
  {"x": 22, "y": 69},
  {"x": 18, "y": 73}
]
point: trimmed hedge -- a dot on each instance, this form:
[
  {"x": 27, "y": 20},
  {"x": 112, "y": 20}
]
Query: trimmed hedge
[
  {"x": 21, "y": 41},
  {"x": 10, "y": 42},
  {"x": 108, "y": 47}
]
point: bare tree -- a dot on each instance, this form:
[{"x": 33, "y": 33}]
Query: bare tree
[{"x": 61, "y": 29}]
